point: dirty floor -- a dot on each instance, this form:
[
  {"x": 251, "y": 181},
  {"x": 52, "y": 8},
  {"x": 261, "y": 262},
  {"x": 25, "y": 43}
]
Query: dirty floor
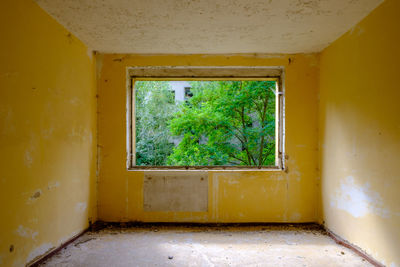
[{"x": 206, "y": 246}]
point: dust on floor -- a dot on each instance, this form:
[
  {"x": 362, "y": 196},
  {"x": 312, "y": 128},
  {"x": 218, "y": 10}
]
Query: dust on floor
[{"x": 206, "y": 246}]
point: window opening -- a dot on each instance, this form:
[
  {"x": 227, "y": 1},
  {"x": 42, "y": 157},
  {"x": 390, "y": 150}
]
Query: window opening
[{"x": 205, "y": 123}]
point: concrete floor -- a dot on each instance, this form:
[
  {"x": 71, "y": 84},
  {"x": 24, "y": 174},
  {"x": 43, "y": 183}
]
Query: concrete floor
[{"x": 206, "y": 246}]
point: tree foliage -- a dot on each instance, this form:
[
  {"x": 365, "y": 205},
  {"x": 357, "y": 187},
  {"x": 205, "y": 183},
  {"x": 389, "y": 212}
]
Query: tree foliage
[
  {"x": 223, "y": 123},
  {"x": 235, "y": 120},
  {"x": 155, "y": 106}
]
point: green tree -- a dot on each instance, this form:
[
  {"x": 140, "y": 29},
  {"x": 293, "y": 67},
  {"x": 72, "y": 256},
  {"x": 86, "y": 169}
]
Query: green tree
[
  {"x": 155, "y": 106},
  {"x": 226, "y": 123}
]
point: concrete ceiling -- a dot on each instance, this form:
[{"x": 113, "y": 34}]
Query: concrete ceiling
[{"x": 208, "y": 26}]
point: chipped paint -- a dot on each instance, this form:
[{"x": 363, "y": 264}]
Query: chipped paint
[
  {"x": 26, "y": 232},
  {"x": 295, "y": 216},
  {"x": 28, "y": 159},
  {"x": 6, "y": 120},
  {"x": 81, "y": 206},
  {"x": 47, "y": 133},
  {"x": 33, "y": 198},
  {"x": 357, "y": 30},
  {"x": 75, "y": 101},
  {"x": 52, "y": 185},
  {"x": 89, "y": 53}
]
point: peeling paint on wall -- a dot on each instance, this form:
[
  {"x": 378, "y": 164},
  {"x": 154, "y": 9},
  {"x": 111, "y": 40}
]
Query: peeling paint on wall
[
  {"x": 80, "y": 207},
  {"x": 7, "y": 120},
  {"x": 89, "y": 52},
  {"x": 26, "y": 232},
  {"x": 47, "y": 133},
  {"x": 295, "y": 216},
  {"x": 358, "y": 30},
  {"x": 52, "y": 185},
  {"x": 28, "y": 159},
  {"x": 358, "y": 200}
]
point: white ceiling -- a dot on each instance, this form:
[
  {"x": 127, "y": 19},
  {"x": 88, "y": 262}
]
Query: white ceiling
[{"x": 208, "y": 26}]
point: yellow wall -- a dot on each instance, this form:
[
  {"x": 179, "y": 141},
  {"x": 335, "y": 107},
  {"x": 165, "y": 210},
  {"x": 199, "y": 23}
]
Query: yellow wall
[
  {"x": 234, "y": 196},
  {"x": 48, "y": 138},
  {"x": 360, "y": 134},
  {"x": 47, "y": 133}
]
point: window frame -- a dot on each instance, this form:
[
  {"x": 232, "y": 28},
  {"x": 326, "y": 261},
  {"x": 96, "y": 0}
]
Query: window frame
[{"x": 279, "y": 122}]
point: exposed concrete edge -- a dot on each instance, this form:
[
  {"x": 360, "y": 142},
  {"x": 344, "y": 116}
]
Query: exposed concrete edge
[
  {"x": 359, "y": 251},
  {"x": 41, "y": 259}
]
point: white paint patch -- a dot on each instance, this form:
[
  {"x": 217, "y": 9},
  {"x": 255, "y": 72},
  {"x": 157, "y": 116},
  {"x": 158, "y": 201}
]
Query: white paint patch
[
  {"x": 80, "y": 207},
  {"x": 66, "y": 238},
  {"x": 357, "y": 30},
  {"x": 215, "y": 190},
  {"x": 233, "y": 181},
  {"x": 26, "y": 232},
  {"x": 294, "y": 170},
  {"x": 89, "y": 52},
  {"x": 7, "y": 120},
  {"x": 52, "y": 185},
  {"x": 295, "y": 173},
  {"x": 99, "y": 65},
  {"x": 33, "y": 220},
  {"x": 358, "y": 200},
  {"x": 28, "y": 159},
  {"x": 47, "y": 133},
  {"x": 295, "y": 216},
  {"x": 75, "y": 101},
  {"x": 90, "y": 138},
  {"x": 76, "y": 132},
  {"x": 39, "y": 251}
]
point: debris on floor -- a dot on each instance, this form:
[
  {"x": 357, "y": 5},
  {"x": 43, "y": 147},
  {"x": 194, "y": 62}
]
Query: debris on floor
[{"x": 206, "y": 246}]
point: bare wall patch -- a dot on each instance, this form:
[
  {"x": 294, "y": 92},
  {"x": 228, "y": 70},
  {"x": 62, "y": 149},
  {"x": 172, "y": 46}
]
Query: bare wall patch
[{"x": 175, "y": 191}]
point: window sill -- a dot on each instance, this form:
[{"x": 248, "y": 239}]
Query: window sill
[{"x": 206, "y": 168}]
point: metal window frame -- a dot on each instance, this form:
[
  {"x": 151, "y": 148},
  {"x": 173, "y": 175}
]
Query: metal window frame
[{"x": 273, "y": 73}]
